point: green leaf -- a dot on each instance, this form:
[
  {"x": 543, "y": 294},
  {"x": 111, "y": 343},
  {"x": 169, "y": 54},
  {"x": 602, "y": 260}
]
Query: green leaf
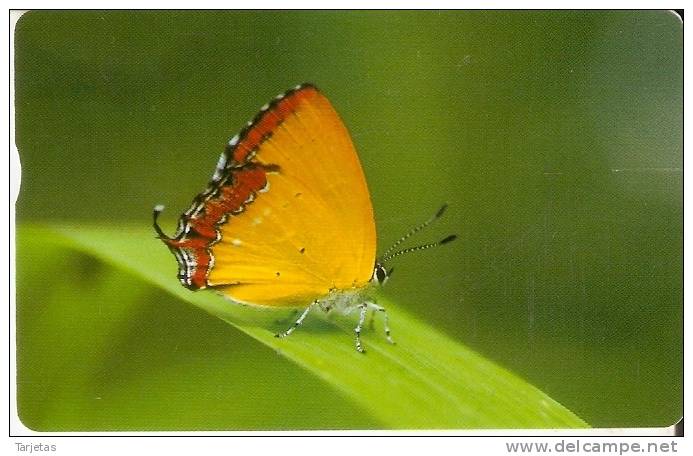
[{"x": 425, "y": 381}]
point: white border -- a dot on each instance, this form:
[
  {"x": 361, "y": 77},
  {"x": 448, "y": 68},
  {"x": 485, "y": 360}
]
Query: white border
[{"x": 114, "y": 443}]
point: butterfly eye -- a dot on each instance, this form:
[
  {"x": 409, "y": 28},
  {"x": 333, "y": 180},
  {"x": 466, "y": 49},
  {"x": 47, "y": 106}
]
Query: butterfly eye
[{"x": 380, "y": 274}]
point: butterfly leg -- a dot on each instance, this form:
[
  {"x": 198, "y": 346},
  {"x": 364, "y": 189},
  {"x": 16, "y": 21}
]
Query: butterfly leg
[
  {"x": 298, "y": 322},
  {"x": 386, "y": 319},
  {"x": 359, "y": 326}
]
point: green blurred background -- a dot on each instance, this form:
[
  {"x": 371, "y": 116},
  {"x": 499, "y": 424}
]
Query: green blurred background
[{"x": 556, "y": 137}]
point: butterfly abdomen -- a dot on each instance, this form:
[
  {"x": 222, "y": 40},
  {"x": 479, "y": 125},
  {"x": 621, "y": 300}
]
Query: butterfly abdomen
[{"x": 344, "y": 301}]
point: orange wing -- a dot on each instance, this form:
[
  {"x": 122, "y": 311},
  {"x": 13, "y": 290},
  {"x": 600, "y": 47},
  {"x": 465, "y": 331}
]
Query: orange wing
[{"x": 287, "y": 216}]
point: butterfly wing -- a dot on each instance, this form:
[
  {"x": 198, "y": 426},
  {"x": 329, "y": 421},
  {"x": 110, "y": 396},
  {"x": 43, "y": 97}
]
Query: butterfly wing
[{"x": 288, "y": 216}]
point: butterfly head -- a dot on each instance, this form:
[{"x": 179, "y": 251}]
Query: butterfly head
[{"x": 380, "y": 274}]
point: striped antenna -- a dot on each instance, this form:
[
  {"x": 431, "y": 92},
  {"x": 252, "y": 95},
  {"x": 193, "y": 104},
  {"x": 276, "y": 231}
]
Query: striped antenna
[
  {"x": 450, "y": 238},
  {"x": 415, "y": 230}
]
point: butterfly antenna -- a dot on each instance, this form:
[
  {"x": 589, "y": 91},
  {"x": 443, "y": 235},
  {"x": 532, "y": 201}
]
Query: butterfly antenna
[
  {"x": 415, "y": 230},
  {"x": 387, "y": 258},
  {"x": 158, "y": 209}
]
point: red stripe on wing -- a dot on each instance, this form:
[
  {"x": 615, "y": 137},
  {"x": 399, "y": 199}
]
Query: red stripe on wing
[
  {"x": 236, "y": 185},
  {"x": 200, "y": 231},
  {"x": 267, "y": 121}
]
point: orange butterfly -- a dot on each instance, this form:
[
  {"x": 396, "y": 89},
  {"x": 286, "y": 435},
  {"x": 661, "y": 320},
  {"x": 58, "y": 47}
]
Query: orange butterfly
[{"x": 287, "y": 220}]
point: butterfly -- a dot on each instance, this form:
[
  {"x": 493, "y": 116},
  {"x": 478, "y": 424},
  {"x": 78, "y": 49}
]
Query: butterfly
[{"x": 287, "y": 219}]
